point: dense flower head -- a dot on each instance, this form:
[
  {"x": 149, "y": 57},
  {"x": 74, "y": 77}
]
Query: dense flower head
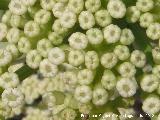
[{"x": 67, "y": 59}]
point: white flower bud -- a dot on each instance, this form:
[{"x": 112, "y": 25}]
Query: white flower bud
[
  {"x": 112, "y": 33},
  {"x": 116, "y": 8},
  {"x": 86, "y": 20}
]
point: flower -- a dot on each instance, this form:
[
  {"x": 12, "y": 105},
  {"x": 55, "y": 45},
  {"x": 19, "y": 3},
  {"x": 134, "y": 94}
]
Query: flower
[
  {"x": 42, "y": 16},
  {"x": 33, "y": 59},
  {"x": 145, "y": 5},
  {"x": 68, "y": 19},
  {"x": 112, "y": 33},
  {"x": 109, "y": 60},
  {"x": 85, "y": 76},
  {"x": 3, "y": 31},
  {"x": 116, "y": 8},
  {"x": 126, "y": 87},
  {"x": 83, "y": 94},
  {"x": 31, "y": 29},
  {"x": 133, "y": 14},
  {"x": 76, "y": 5},
  {"x": 56, "y": 56},
  {"x": 108, "y": 80},
  {"x": 86, "y": 20},
  {"x": 47, "y": 4},
  {"x": 149, "y": 83},
  {"x": 103, "y": 18},
  {"x": 138, "y": 58},
  {"x": 78, "y": 40},
  {"x": 100, "y": 96},
  {"x": 95, "y": 36},
  {"x": 92, "y": 5},
  {"x": 44, "y": 46},
  {"x": 151, "y": 105},
  {"x": 91, "y": 60},
  {"x": 9, "y": 80}
]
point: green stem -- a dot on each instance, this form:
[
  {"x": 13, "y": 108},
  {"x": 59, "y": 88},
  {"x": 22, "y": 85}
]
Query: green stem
[{"x": 24, "y": 72}]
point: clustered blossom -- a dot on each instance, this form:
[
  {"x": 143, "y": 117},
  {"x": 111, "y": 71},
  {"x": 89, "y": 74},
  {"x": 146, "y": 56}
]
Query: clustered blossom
[{"x": 84, "y": 58}]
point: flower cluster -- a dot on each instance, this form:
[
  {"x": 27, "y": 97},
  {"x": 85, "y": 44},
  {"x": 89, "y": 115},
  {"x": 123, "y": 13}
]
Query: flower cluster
[{"x": 82, "y": 56}]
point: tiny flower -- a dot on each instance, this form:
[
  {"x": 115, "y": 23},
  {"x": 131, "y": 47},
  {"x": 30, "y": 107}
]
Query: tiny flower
[
  {"x": 47, "y": 69},
  {"x": 91, "y": 60},
  {"x": 156, "y": 70},
  {"x": 133, "y": 14},
  {"x": 92, "y": 5},
  {"x": 145, "y": 5},
  {"x": 68, "y": 19},
  {"x": 109, "y": 60},
  {"x": 47, "y": 4},
  {"x": 70, "y": 81},
  {"x": 5, "y": 57},
  {"x": 149, "y": 83},
  {"x": 49, "y": 99},
  {"x": 43, "y": 47},
  {"x": 127, "y": 37},
  {"x": 126, "y": 87},
  {"x": 122, "y": 52},
  {"x": 3, "y": 31},
  {"x": 100, "y": 96},
  {"x": 103, "y": 18},
  {"x": 58, "y": 28},
  {"x": 33, "y": 59},
  {"x": 116, "y": 8},
  {"x": 76, "y": 5},
  {"x": 24, "y": 45},
  {"x": 17, "y": 21},
  {"x": 95, "y": 36},
  {"x": 112, "y": 33},
  {"x": 55, "y": 38},
  {"x": 12, "y": 97},
  {"x": 6, "y": 17},
  {"x": 42, "y": 16},
  {"x": 29, "y": 2},
  {"x": 76, "y": 57},
  {"x": 16, "y": 7},
  {"x": 146, "y": 19},
  {"x": 56, "y": 56},
  {"x": 127, "y": 69},
  {"x": 58, "y": 9},
  {"x": 83, "y": 94},
  {"x": 31, "y": 29},
  {"x": 9, "y": 80},
  {"x": 151, "y": 105},
  {"x": 86, "y": 20},
  {"x": 156, "y": 55},
  {"x": 153, "y": 31},
  {"x": 108, "y": 80},
  {"x": 29, "y": 88},
  {"x": 13, "y": 50},
  {"x": 68, "y": 114},
  {"x": 78, "y": 40},
  {"x": 138, "y": 58},
  {"x": 13, "y": 35},
  {"x": 85, "y": 76}
]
